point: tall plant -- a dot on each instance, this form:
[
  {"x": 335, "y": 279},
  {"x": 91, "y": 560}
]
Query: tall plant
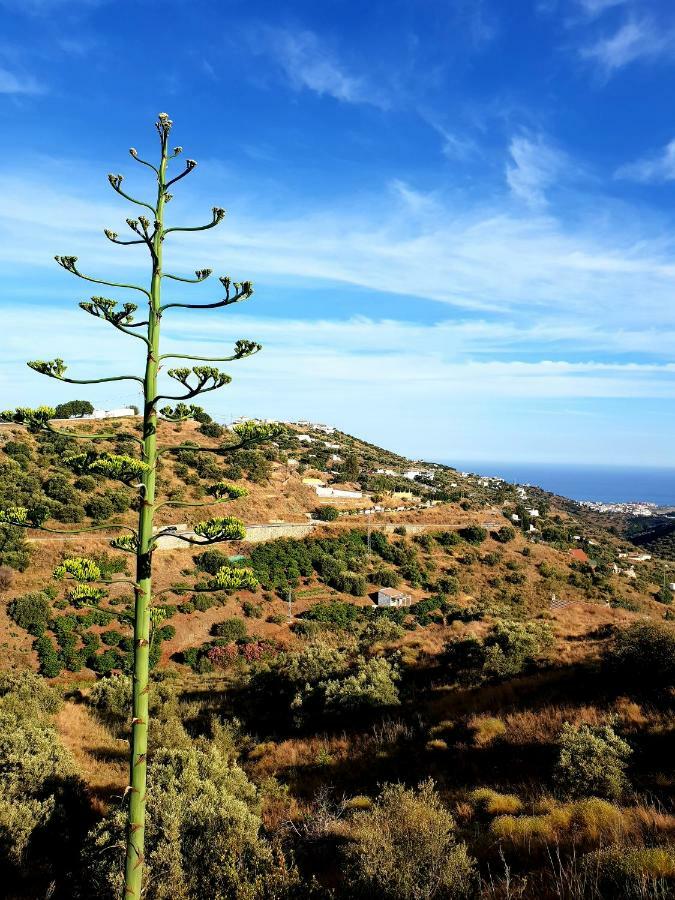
[{"x": 141, "y": 470}]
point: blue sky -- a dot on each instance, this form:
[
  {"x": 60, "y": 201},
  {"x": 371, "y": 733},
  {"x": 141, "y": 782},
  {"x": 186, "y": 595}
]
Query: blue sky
[{"x": 458, "y": 214}]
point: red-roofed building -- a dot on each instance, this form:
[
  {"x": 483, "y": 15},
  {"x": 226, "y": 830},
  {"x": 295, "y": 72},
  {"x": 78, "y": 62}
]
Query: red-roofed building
[{"x": 578, "y": 554}]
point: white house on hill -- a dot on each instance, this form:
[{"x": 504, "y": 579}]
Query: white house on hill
[{"x": 393, "y": 597}]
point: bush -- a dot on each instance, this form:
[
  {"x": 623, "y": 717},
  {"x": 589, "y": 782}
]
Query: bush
[
  {"x": 404, "y": 848},
  {"x": 211, "y": 429},
  {"x": 50, "y": 661},
  {"x": 473, "y": 534},
  {"x": 211, "y": 561},
  {"x": 505, "y": 534},
  {"x": 386, "y": 577},
  {"x": 69, "y": 513},
  {"x": 447, "y": 538},
  {"x": 99, "y": 508},
  {"x": 326, "y": 513},
  {"x": 203, "y": 839},
  {"x": 31, "y": 612},
  {"x": 231, "y": 629},
  {"x": 251, "y": 610},
  {"x": 591, "y": 761},
  {"x": 111, "y": 638},
  {"x": 14, "y": 551},
  {"x": 111, "y": 697},
  {"x": 373, "y": 685},
  {"x": 647, "y": 648}
]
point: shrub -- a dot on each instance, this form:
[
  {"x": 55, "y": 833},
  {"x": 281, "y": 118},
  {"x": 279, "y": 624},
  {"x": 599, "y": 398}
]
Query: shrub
[
  {"x": 99, "y": 507},
  {"x": 34, "y": 779},
  {"x": 404, "y": 848},
  {"x": 111, "y": 697},
  {"x": 211, "y": 561},
  {"x": 111, "y": 638},
  {"x": 646, "y": 648},
  {"x": 69, "y": 513},
  {"x": 205, "y": 810},
  {"x": 50, "y": 661},
  {"x": 473, "y": 534},
  {"x": 326, "y": 513},
  {"x": 386, "y": 577},
  {"x": 211, "y": 429},
  {"x": 231, "y": 629},
  {"x": 31, "y": 612},
  {"x": 14, "y": 551},
  {"x": 447, "y": 538},
  {"x": 335, "y": 614},
  {"x": 251, "y": 610},
  {"x": 372, "y": 685},
  {"x": 505, "y": 534},
  {"x": 591, "y": 761}
]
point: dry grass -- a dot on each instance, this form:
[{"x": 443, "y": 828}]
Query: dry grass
[
  {"x": 486, "y": 729},
  {"x": 492, "y": 803},
  {"x": 588, "y": 823},
  {"x": 101, "y": 759}
]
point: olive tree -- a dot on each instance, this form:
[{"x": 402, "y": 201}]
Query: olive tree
[{"x": 149, "y": 229}]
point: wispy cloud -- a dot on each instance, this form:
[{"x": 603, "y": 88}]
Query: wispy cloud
[
  {"x": 47, "y": 7},
  {"x": 12, "y": 83},
  {"x": 308, "y": 64},
  {"x": 651, "y": 169},
  {"x": 593, "y": 8},
  {"x": 534, "y": 167},
  {"x": 635, "y": 40}
]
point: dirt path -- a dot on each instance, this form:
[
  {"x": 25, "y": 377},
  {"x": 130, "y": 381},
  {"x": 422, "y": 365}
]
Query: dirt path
[{"x": 101, "y": 758}]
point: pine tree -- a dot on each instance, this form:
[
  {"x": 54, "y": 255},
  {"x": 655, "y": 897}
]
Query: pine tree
[{"x": 149, "y": 229}]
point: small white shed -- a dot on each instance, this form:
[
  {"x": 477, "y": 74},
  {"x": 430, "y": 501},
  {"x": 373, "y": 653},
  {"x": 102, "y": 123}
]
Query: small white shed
[{"x": 393, "y": 597}]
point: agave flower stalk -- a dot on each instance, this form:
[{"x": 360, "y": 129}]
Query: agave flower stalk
[{"x": 149, "y": 230}]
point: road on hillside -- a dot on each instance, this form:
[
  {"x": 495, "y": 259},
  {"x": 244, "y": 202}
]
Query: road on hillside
[{"x": 263, "y": 531}]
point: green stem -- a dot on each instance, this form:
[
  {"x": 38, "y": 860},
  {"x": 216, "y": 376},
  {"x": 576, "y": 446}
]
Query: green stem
[{"x": 133, "y": 881}]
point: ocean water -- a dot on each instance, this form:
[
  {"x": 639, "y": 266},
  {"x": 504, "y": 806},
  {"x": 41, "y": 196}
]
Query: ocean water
[{"x": 606, "y": 484}]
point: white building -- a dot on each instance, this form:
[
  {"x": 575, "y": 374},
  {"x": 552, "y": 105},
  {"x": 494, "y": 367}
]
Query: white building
[
  {"x": 533, "y": 513},
  {"x": 393, "y": 597},
  {"x": 119, "y": 413},
  {"x": 335, "y": 492}
]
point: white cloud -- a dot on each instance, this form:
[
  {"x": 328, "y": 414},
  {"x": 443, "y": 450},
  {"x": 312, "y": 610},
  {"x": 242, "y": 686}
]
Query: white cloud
[
  {"x": 635, "y": 40},
  {"x": 593, "y": 8},
  {"x": 535, "y": 166},
  {"x": 309, "y": 65},
  {"x": 658, "y": 168},
  {"x": 11, "y": 83},
  {"x": 616, "y": 272}
]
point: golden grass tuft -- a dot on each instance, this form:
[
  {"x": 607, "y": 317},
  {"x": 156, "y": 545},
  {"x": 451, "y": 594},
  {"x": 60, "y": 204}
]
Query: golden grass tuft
[
  {"x": 486, "y": 729},
  {"x": 493, "y": 803}
]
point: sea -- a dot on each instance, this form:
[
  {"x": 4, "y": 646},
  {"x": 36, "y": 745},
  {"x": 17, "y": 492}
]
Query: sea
[{"x": 605, "y": 484}]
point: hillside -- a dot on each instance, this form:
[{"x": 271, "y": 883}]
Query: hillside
[{"x": 523, "y": 614}]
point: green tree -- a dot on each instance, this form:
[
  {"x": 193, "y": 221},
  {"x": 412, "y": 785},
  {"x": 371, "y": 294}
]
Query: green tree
[
  {"x": 326, "y": 513},
  {"x": 149, "y": 230},
  {"x": 73, "y": 408}
]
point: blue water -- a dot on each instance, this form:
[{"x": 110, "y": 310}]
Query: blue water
[{"x": 607, "y": 484}]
